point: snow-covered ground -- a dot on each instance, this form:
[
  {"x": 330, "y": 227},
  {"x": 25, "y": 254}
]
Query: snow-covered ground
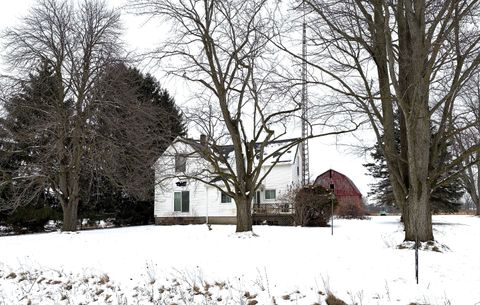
[{"x": 282, "y": 265}]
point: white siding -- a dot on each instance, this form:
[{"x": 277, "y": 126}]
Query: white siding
[
  {"x": 297, "y": 168},
  {"x": 216, "y": 207},
  {"x": 164, "y": 199},
  {"x": 200, "y": 194},
  {"x": 281, "y": 178}
]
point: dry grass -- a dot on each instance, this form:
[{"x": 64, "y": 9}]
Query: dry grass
[{"x": 333, "y": 300}]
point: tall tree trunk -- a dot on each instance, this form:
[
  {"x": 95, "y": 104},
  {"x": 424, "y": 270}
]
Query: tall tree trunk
[
  {"x": 418, "y": 218},
  {"x": 415, "y": 134},
  {"x": 418, "y": 221},
  {"x": 70, "y": 215},
  {"x": 70, "y": 202},
  {"x": 244, "y": 214},
  {"x": 476, "y": 200},
  {"x": 471, "y": 183},
  {"x": 417, "y": 213}
]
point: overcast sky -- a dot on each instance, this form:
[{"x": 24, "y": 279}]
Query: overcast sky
[{"x": 331, "y": 153}]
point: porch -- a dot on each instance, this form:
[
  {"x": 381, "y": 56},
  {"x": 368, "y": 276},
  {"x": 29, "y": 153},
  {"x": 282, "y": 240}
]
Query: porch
[{"x": 273, "y": 214}]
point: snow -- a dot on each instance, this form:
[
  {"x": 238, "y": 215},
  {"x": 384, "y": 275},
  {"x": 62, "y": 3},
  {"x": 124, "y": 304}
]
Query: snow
[
  {"x": 287, "y": 156},
  {"x": 360, "y": 264}
]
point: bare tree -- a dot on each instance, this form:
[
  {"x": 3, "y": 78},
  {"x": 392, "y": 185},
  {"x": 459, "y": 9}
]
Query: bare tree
[
  {"x": 469, "y": 135},
  {"x": 414, "y": 56},
  {"x": 74, "y": 43},
  {"x": 223, "y": 50}
]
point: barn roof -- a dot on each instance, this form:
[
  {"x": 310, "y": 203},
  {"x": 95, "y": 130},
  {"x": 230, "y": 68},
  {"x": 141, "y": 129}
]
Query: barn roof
[{"x": 329, "y": 173}]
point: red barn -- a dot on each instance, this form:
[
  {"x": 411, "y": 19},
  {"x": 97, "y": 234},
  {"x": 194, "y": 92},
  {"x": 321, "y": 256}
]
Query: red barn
[{"x": 345, "y": 190}]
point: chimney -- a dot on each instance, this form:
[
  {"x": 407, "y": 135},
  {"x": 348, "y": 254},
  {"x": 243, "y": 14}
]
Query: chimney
[{"x": 203, "y": 140}]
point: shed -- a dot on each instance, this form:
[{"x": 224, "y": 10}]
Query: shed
[{"x": 345, "y": 190}]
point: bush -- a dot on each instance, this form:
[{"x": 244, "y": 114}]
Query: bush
[
  {"x": 350, "y": 210},
  {"x": 31, "y": 218},
  {"x": 313, "y": 206},
  {"x": 333, "y": 300},
  {"x": 134, "y": 213},
  {"x": 124, "y": 211}
]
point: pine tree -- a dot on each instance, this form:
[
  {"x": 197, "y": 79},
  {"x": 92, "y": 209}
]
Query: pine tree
[
  {"x": 444, "y": 198},
  {"x": 21, "y": 148},
  {"x": 381, "y": 191},
  {"x": 130, "y": 202},
  {"x": 25, "y": 133},
  {"x": 133, "y": 122}
]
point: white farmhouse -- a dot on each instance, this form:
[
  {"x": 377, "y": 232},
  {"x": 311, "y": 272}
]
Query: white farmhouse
[{"x": 185, "y": 201}]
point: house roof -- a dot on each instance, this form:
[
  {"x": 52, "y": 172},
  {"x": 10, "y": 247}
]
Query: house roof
[{"x": 286, "y": 158}]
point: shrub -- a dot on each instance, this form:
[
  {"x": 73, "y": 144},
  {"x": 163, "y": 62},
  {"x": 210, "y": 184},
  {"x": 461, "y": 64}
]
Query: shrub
[
  {"x": 123, "y": 209},
  {"x": 134, "y": 213},
  {"x": 313, "y": 206},
  {"x": 333, "y": 300},
  {"x": 31, "y": 218},
  {"x": 350, "y": 210}
]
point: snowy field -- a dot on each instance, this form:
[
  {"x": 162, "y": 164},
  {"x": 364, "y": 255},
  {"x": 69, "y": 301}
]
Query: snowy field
[{"x": 282, "y": 265}]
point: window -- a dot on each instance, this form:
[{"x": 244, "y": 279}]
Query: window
[
  {"x": 270, "y": 195},
  {"x": 181, "y": 201},
  {"x": 180, "y": 163},
  {"x": 225, "y": 198}
]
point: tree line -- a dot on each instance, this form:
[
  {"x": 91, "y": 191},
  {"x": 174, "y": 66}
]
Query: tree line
[{"x": 79, "y": 124}]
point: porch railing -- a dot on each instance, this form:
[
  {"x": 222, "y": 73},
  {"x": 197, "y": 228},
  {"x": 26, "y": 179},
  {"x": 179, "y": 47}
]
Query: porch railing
[{"x": 272, "y": 209}]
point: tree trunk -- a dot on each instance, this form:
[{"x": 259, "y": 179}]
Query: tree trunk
[
  {"x": 418, "y": 218},
  {"x": 471, "y": 183},
  {"x": 418, "y": 215},
  {"x": 70, "y": 216},
  {"x": 476, "y": 198},
  {"x": 476, "y": 201},
  {"x": 244, "y": 215}
]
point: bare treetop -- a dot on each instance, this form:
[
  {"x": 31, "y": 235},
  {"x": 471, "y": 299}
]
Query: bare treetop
[
  {"x": 242, "y": 98},
  {"x": 413, "y": 58},
  {"x": 60, "y": 50},
  {"x": 79, "y": 39}
]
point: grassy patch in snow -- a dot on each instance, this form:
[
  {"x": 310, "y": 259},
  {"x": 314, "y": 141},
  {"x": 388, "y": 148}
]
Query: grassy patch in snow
[
  {"x": 425, "y": 246},
  {"x": 53, "y": 287}
]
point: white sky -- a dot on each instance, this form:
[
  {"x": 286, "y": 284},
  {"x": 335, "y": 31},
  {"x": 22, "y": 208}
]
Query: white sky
[{"x": 325, "y": 153}]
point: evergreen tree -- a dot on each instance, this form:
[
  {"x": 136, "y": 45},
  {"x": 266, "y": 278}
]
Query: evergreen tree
[
  {"x": 130, "y": 202},
  {"x": 134, "y": 121},
  {"x": 444, "y": 198},
  {"x": 151, "y": 130},
  {"x": 25, "y": 134},
  {"x": 381, "y": 191},
  {"x": 22, "y": 145}
]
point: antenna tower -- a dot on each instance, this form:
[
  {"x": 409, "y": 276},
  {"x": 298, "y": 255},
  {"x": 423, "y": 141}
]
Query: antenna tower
[{"x": 304, "y": 150}]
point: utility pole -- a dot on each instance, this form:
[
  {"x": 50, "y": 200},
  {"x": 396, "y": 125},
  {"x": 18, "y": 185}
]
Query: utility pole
[
  {"x": 416, "y": 250},
  {"x": 332, "y": 190}
]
